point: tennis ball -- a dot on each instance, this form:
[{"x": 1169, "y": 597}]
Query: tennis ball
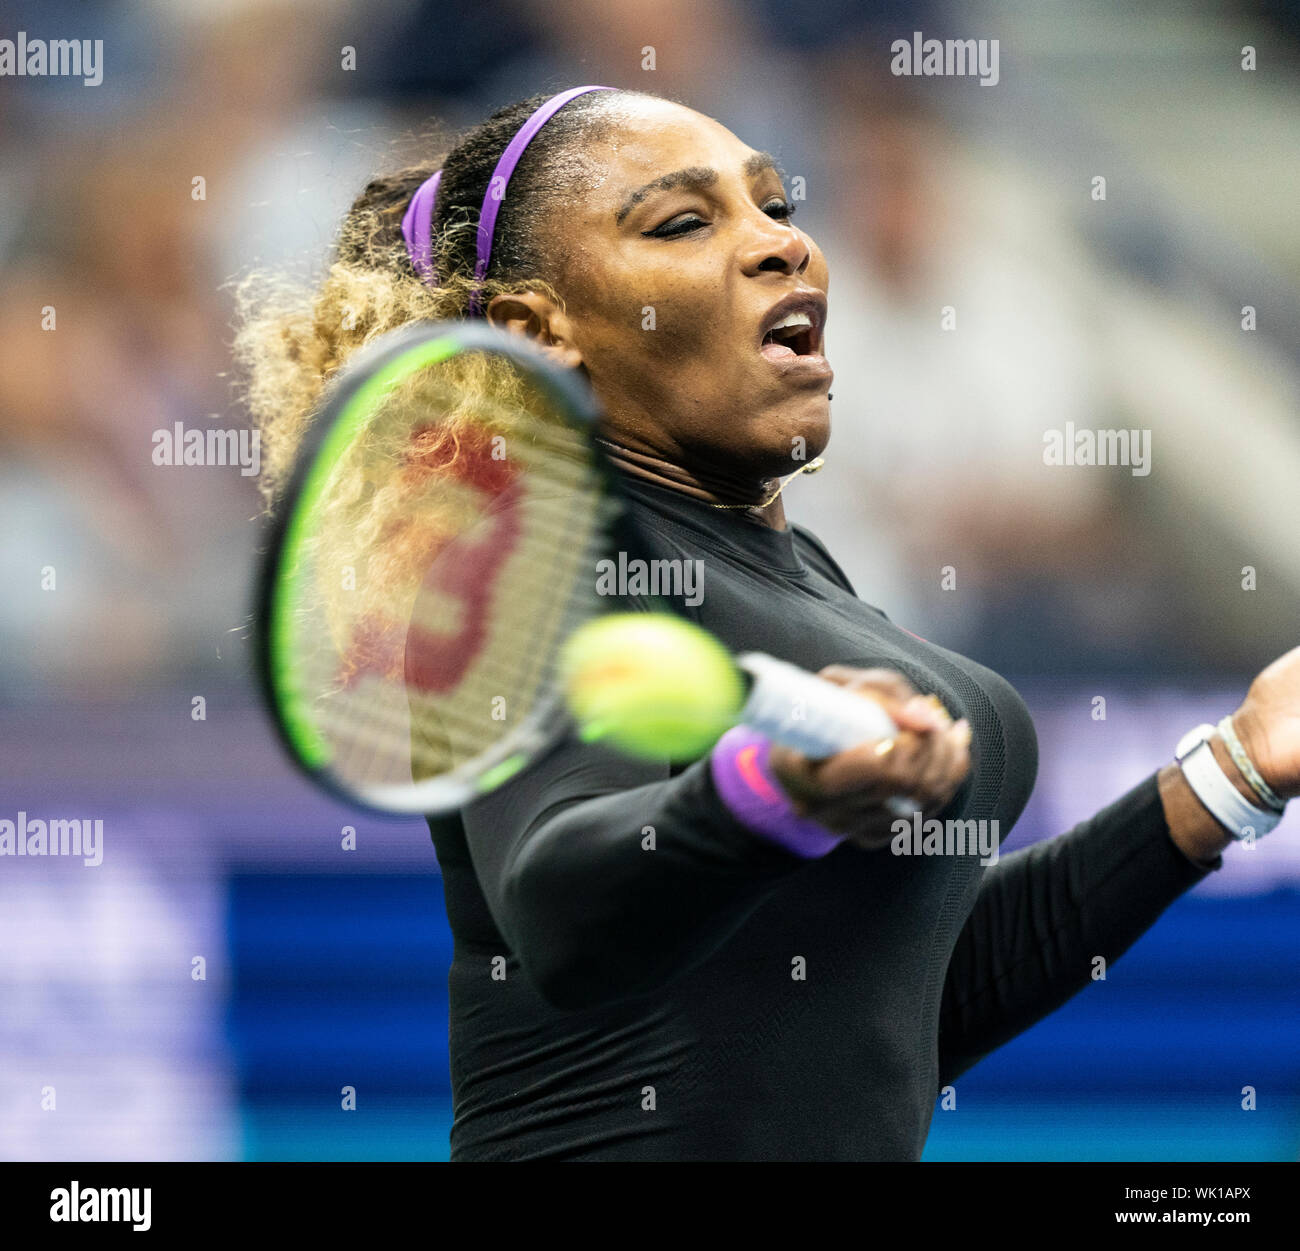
[{"x": 650, "y": 684}]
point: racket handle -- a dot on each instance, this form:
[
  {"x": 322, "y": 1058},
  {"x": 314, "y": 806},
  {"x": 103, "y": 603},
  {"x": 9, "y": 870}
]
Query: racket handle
[{"x": 802, "y": 711}]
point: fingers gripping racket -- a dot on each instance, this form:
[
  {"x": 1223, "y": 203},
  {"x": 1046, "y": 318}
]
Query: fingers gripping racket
[{"x": 436, "y": 545}]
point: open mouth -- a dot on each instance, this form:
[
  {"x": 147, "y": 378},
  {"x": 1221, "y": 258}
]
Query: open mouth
[
  {"x": 794, "y": 337},
  {"x": 794, "y": 328}
]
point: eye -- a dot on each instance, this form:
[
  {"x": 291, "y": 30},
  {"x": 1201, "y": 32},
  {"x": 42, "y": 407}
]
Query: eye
[
  {"x": 683, "y": 224},
  {"x": 779, "y": 209}
]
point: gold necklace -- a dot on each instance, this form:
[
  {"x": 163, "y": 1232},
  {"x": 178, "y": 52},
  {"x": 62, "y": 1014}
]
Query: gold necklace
[{"x": 811, "y": 467}]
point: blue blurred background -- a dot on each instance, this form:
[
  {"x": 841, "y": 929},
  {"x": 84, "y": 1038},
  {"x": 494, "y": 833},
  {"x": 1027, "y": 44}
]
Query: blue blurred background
[{"x": 126, "y": 584}]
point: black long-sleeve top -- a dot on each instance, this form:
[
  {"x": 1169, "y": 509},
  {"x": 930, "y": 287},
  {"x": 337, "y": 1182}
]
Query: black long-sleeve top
[{"x": 639, "y": 976}]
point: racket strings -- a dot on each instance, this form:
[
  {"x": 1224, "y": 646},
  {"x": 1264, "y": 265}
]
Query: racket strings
[{"x": 453, "y": 550}]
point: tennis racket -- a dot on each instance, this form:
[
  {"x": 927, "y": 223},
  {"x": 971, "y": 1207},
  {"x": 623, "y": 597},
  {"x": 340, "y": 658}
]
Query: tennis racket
[{"x": 436, "y": 544}]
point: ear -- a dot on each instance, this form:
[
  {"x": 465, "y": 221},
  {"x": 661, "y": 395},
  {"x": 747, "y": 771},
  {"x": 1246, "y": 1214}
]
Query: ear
[{"x": 539, "y": 318}]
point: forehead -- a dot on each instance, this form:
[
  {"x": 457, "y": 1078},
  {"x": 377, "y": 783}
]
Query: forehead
[
  {"x": 651, "y": 138},
  {"x": 648, "y": 130}
]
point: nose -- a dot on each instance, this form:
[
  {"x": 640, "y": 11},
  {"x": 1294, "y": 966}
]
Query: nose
[{"x": 774, "y": 245}]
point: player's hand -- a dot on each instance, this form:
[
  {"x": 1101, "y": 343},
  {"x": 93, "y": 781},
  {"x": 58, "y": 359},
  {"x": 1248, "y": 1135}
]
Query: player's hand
[
  {"x": 925, "y": 762},
  {"x": 1268, "y": 724}
]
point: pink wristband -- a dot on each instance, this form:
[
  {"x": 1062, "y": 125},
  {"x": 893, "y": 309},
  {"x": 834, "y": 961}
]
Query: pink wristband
[{"x": 750, "y": 790}]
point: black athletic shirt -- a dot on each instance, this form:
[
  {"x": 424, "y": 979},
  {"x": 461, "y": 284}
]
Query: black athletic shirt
[{"x": 716, "y": 997}]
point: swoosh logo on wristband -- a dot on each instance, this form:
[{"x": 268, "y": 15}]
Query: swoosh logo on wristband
[{"x": 747, "y": 766}]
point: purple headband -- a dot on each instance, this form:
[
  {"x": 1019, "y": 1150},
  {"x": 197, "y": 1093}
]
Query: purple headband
[{"x": 417, "y": 224}]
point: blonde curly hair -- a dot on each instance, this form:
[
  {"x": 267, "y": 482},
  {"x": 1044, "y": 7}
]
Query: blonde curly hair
[
  {"x": 398, "y": 494},
  {"x": 292, "y": 339}
]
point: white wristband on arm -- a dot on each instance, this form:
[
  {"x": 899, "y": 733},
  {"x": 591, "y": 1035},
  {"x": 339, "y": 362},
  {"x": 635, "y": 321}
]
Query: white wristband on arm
[{"x": 1229, "y": 807}]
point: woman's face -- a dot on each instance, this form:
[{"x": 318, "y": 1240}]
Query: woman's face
[{"x": 677, "y": 258}]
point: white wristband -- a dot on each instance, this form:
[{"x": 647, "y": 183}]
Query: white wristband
[{"x": 1213, "y": 788}]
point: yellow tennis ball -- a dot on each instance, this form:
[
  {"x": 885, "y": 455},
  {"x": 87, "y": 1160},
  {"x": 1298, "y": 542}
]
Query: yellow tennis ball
[{"x": 651, "y": 685}]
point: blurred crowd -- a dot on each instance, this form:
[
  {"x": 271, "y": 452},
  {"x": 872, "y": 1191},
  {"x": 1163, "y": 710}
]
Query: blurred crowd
[{"x": 981, "y": 295}]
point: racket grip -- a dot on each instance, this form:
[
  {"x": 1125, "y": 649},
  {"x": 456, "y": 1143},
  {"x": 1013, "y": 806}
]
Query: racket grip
[{"x": 802, "y": 711}]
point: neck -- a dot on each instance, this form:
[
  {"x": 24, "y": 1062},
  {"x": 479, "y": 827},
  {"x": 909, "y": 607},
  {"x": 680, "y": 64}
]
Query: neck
[{"x": 755, "y": 498}]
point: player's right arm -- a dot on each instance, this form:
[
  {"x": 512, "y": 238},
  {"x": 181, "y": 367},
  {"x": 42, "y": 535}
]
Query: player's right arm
[{"x": 609, "y": 876}]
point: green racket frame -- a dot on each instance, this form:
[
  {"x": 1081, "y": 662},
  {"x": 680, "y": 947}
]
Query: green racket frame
[{"x": 371, "y": 374}]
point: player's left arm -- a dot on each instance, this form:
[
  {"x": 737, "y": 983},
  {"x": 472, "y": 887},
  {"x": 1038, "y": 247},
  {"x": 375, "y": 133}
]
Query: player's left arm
[{"x": 1045, "y": 915}]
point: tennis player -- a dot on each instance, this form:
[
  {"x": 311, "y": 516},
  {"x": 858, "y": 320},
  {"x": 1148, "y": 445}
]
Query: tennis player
[{"x": 740, "y": 958}]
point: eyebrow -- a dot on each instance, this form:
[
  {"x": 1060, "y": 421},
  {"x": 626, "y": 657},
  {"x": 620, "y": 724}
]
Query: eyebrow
[{"x": 696, "y": 178}]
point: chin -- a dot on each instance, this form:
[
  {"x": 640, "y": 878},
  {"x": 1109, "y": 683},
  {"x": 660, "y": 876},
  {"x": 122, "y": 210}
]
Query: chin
[
  {"x": 813, "y": 425},
  {"x": 768, "y": 448}
]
